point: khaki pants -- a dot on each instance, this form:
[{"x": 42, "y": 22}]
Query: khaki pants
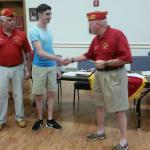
[
  {"x": 111, "y": 90},
  {"x": 16, "y": 75},
  {"x": 43, "y": 77}
]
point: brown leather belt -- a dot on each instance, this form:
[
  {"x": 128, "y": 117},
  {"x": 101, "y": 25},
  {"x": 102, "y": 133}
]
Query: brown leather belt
[{"x": 110, "y": 68}]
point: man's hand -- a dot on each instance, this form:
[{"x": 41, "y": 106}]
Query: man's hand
[
  {"x": 100, "y": 64},
  {"x": 67, "y": 61},
  {"x": 60, "y": 61},
  {"x": 64, "y": 62}
]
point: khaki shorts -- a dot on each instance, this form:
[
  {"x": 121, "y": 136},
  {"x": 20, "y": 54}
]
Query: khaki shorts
[
  {"x": 111, "y": 90},
  {"x": 43, "y": 78}
]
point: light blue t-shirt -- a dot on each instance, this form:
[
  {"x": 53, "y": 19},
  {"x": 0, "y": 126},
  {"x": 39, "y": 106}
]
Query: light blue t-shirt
[{"x": 45, "y": 38}]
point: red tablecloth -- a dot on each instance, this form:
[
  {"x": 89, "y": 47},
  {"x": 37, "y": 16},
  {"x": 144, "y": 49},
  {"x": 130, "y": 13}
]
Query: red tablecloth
[{"x": 135, "y": 87}]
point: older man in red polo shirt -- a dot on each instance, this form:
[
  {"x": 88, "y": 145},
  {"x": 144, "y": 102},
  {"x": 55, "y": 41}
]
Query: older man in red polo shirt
[
  {"x": 110, "y": 51},
  {"x": 13, "y": 43}
]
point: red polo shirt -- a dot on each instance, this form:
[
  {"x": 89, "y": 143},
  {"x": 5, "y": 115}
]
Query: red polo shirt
[
  {"x": 113, "y": 44},
  {"x": 11, "y": 48}
]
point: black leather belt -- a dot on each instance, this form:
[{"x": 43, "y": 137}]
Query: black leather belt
[{"x": 110, "y": 68}]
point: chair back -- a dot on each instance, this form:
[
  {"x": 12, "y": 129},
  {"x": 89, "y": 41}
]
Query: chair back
[
  {"x": 140, "y": 63},
  {"x": 86, "y": 65}
]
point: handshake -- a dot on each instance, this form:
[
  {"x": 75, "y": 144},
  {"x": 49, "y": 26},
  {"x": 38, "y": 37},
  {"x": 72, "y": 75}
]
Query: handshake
[{"x": 64, "y": 61}]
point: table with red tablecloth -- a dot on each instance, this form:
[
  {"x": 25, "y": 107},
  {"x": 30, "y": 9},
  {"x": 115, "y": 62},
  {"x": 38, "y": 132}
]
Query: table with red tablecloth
[{"x": 136, "y": 84}]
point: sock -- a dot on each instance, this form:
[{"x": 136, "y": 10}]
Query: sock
[
  {"x": 49, "y": 119},
  {"x": 123, "y": 142},
  {"x": 101, "y": 131}
]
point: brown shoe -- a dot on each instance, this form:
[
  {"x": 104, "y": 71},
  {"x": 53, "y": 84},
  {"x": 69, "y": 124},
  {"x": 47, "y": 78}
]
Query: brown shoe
[
  {"x": 1, "y": 126},
  {"x": 22, "y": 123},
  {"x": 95, "y": 136}
]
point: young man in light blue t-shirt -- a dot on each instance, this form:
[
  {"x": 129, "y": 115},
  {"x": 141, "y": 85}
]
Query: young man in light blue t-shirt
[{"x": 44, "y": 67}]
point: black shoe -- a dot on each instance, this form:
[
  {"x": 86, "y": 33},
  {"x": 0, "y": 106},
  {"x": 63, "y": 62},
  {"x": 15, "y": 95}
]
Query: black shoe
[
  {"x": 36, "y": 127},
  {"x": 53, "y": 124}
]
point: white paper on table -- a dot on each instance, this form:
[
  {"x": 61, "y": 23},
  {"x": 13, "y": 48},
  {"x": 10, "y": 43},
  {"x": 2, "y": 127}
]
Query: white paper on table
[
  {"x": 135, "y": 75},
  {"x": 146, "y": 73},
  {"x": 70, "y": 73},
  {"x": 77, "y": 73},
  {"x": 83, "y": 73}
]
